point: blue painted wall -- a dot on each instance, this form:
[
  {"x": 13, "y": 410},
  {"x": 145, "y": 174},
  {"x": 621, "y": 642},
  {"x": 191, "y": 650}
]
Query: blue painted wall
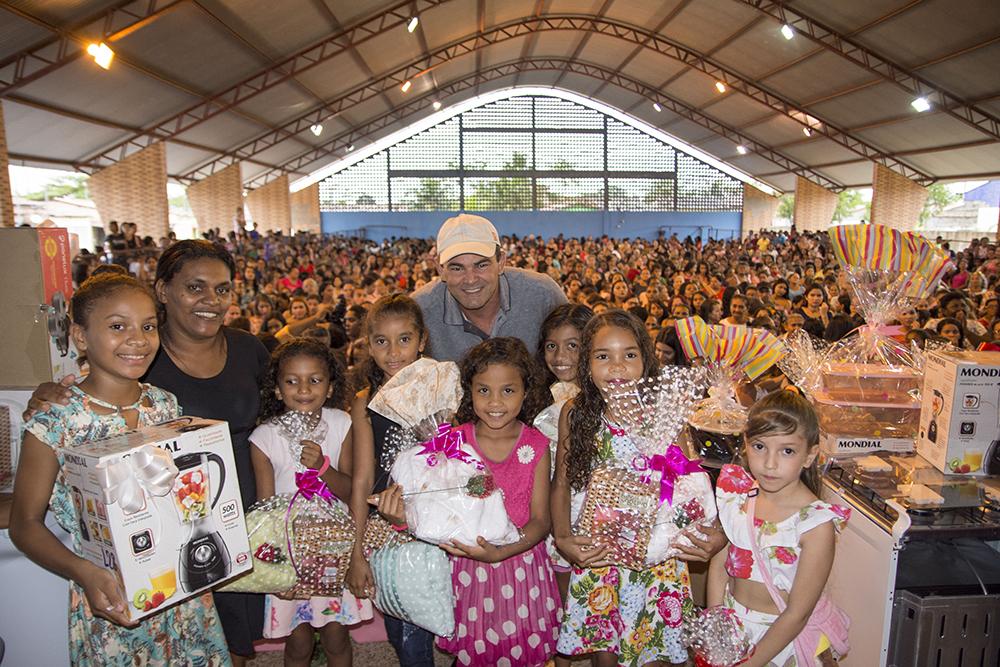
[{"x": 424, "y": 224}]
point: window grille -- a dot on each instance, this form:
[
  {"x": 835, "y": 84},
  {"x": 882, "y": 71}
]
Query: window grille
[{"x": 531, "y": 153}]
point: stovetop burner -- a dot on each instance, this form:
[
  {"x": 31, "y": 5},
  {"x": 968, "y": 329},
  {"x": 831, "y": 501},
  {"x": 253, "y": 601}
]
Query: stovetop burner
[{"x": 925, "y": 522}]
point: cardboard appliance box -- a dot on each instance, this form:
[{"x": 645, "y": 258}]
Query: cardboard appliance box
[
  {"x": 36, "y": 284},
  {"x": 960, "y": 412},
  {"x": 163, "y": 548},
  {"x": 12, "y": 406},
  {"x": 838, "y": 445}
]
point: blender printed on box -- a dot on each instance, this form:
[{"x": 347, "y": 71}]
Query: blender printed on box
[{"x": 163, "y": 509}]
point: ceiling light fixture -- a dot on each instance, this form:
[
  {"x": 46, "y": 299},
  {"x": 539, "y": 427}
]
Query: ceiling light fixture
[
  {"x": 806, "y": 131},
  {"x": 742, "y": 150},
  {"x": 316, "y": 129},
  {"x": 921, "y": 104},
  {"x": 102, "y": 54},
  {"x": 437, "y": 105},
  {"x": 656, "y": 105},
  {"x": 350, "y": 148},
  {"x": 406, "y": 86},
  {"x": 412, "y": 25},
  {"x": 719, "y": 86},
  {"x": 787, "y": 31}
]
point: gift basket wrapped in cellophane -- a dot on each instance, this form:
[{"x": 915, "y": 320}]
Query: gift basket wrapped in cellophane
[
  {"x": 448, "y": 491},
  {"x": 716, "y": 636},
  {"x": 870, "y": 380},
  {"x": 412, "y": 578},
  {"x": 301, "y": 542},
  {"x": 731, "y": 356},
  {"x": 641, "y": 511}
]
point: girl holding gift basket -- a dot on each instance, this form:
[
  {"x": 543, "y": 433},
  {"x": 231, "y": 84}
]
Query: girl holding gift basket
[
  {"x": 115, "y": 326},
  {"x": 626, "y": 617},
  {"x": 304, "y": 378},
  {"x": 396, "y": 337},
  {"x": 506, "y": 610},
  {"x": 781, "y": 540}
]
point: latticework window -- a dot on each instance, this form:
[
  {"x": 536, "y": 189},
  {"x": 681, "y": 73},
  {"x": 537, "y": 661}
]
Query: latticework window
[{"x": 531, "y": 153}]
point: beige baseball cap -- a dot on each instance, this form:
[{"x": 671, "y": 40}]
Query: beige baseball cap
[{"x": 466, "y": 233}]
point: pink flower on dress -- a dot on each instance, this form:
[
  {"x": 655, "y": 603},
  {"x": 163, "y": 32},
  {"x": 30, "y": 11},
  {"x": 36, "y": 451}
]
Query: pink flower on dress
[
  {"x": 785, "y": 555},
  {"x": 735, "y": 479},
  {"x": 843, "y": 512},
  {"x": 739, "y": 562},
  {"x": 669, "y": 606}
]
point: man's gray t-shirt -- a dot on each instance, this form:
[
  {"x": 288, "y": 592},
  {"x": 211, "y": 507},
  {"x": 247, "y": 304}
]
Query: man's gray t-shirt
[{"x": 526, "y": 299}]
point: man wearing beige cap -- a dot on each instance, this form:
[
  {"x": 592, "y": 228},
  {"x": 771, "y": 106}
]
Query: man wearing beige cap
[{"x": 478, "y": 297}]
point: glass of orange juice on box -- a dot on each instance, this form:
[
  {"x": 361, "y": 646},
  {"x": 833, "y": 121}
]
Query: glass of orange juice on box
[
  {"x": 164, "y": 579},
  {"x": 973, "y": 459}
]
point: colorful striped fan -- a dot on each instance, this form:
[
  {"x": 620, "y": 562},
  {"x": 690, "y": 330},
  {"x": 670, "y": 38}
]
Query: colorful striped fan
[
  {"x": 880, "y": 248},
  {"x": 751, "y": 351}
]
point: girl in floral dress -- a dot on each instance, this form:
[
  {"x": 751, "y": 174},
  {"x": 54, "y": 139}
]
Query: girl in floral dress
[
  {"x": 506, "y": 609},
  {"x": 773, "y": 576},
  {"x": 305, "y": 377},
  {"x": 115, "y": 326},
  {"x": 626, "y": 617}
]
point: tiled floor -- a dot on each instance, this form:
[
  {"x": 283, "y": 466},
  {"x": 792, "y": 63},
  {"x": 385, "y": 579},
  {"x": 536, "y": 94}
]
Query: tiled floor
[{"x": 369, "y": 654}]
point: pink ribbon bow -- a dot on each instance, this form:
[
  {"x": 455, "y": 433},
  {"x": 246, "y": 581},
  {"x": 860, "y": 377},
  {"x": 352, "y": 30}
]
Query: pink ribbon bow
[
  {"x": 672, "y": 465},
  {"x": 449, "y": 442},
  {"x": 310, "y": 485}
]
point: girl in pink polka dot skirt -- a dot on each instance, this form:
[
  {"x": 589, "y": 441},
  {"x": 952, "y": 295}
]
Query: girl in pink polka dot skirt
[{"x": 506, "y": 610}]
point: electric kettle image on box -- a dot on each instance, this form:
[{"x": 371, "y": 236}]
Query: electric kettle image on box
[{"x": 204, "y": 558}]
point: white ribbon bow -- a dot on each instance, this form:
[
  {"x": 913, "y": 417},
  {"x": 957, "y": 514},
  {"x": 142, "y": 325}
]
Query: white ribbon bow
[{"x": 123, "y": 481}]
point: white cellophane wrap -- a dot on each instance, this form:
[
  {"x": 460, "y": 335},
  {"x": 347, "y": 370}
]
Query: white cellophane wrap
[
  {"x": 693, "y": 505},
  {"x": 438, "y": 506},
  {"x": 804, "y": 360},
  {"x": 420, "y": 396}
]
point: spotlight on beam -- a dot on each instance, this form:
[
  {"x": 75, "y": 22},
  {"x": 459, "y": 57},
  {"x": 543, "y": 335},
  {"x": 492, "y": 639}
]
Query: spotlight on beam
[{"x": 102, "y": 54}]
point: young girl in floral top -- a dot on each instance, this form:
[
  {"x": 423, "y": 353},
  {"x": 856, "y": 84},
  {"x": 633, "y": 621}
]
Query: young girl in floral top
[
  {"x": 115, "y": 327},
  {"x": 772, "y": 576},
  {"x": 625, "y": 617}
]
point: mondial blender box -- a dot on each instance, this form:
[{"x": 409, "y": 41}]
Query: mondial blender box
[
  {"x": 160, "y": 506},
  {"x": 960, "y": 412}
]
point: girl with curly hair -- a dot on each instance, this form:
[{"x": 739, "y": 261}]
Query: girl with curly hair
[
  {"x": 625, "y": 617},
  {"x": 506, "y": 609},
  {"x": 305, "y": 377}
]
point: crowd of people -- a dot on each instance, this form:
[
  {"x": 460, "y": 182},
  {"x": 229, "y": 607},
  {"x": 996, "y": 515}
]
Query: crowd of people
[
  {"x": 779, "y": 281},
  {"x": 243, "y": 327}
]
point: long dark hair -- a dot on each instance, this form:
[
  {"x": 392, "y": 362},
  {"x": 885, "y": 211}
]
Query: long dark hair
[
  {"x": 785, "y": 412},
  {"x": 589, "y": 406},
  {"x": 512, "y": 352},
  {"x": 393, "y": 305},
  {"x": 271, "y": 405},
  {"x": 572, "y": 314}
]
